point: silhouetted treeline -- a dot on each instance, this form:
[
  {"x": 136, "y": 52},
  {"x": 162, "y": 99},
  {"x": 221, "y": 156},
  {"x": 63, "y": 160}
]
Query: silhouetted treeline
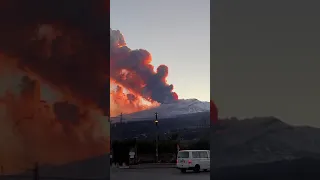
[
  {"x": 145, "y": 146},
  {"x": 122, "y": 148},
  {"x": 188, "y": 126}
]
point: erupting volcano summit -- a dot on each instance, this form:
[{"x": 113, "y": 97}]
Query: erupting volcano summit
[{"x": 133, "y": 71}]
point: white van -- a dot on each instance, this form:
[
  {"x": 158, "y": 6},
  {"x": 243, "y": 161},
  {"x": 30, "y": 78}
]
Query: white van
[{"x": 196, "y": 160}]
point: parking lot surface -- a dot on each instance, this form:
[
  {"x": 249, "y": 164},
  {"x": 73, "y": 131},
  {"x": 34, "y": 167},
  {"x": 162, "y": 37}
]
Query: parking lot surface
[{"x": 157, "y": 174}]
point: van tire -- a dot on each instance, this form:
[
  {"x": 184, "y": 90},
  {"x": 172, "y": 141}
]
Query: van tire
[
  {"x": 196, "y": 168},
  {"x": 183, "y": 170}
]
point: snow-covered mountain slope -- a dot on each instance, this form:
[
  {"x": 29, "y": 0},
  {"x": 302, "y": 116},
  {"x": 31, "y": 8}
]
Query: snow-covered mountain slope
[{"x": 180, "y": 107}]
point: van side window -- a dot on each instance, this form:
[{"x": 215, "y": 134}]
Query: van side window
[
  {"x": 195, "y": 155},
  {"x": 183, "y": 154},
  {"x": 203, "y": 154}
]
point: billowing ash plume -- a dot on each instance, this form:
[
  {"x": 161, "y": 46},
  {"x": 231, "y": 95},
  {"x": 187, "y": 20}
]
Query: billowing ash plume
[
  {"x": 132, "y": 69},
  {"x": 66, "y": 42}
]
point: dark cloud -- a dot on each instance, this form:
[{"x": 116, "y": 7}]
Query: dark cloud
[
  {"x": 66, "y": 42},
  {"x": 141, "y": 76}
]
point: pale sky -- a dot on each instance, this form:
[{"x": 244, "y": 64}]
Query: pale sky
[{"x": 176, "y": 33}]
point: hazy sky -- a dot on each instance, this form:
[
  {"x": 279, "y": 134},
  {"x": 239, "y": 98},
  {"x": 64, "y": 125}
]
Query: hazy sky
[
  {"x": 266, "y": 59},
  {"x": 176, "y": 32}
]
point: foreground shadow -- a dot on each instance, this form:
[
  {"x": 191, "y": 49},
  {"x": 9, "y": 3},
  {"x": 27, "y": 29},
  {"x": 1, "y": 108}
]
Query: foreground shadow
[{"x": 304, "y": 168}]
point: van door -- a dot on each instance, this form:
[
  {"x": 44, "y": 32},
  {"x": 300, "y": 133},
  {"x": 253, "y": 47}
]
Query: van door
[
  {"x": 208, "y": 160},
  {"x": 205, "y": 160},
  {"x": 196, "y": 158},
  {"x": 183, "y": 158}
]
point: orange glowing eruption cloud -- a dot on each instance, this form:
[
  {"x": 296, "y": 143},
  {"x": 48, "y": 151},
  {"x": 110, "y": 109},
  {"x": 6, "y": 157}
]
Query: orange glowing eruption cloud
[
  {"x": 42, "y": 123},
  {"x": 54, "y": 104},
  {"x": 125, "y": 101},
  {"x": 132, "y": 70},
  {"x": 54, "y": 81}
]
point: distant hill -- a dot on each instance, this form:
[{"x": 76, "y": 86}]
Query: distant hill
[
  {"x": 233, "y": 141},
  {"x": 261, "y": 140},
  {"x": 257, "y": 147},
  {"x": 187, "y": 124}
]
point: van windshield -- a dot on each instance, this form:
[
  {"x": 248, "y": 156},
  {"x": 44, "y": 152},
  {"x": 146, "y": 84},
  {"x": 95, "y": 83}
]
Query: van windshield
[{"x": 183, "y": 155}]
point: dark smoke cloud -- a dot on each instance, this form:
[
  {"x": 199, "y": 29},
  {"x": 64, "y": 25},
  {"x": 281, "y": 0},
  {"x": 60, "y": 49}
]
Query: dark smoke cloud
[
  {"x": 27, "y": 85},
  {"x": 66, "y": 112},
  {"x": 67, "y": 42},
  {"x": 141, "y": 76},
  {"x": 75, "y": 56},
  {"x": 131, "y": 97}
]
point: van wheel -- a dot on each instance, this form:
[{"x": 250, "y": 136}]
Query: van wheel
[
  {"x": 183, "y": 170},
  {"x": 196, "y": 168}
]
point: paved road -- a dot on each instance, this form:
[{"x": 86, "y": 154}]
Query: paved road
[{"x": 157, "y": 174}]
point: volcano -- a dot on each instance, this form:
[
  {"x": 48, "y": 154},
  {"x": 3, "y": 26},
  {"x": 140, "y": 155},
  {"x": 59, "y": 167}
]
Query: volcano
[{"x": 168, "y": 110}]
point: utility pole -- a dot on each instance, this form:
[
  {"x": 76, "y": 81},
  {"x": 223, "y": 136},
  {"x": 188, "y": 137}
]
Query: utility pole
[
  {"x": 121, "y": 118},
  {"x": 157, "y": 137}
]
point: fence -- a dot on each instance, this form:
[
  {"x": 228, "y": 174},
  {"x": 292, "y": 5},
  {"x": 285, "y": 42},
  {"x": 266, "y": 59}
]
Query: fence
[
  {"x": 34, "y": 174},
  {"x": 150, "y": 158},
  {"x": 145, "y": 151}
]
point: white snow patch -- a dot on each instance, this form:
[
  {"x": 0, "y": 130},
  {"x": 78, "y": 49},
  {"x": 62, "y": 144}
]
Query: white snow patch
[{"x": 180, "y": 107}]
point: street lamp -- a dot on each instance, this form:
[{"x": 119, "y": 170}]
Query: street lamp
[{"x": 157, "y": 137}]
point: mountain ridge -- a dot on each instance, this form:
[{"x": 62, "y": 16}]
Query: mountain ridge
[
  {"x": 234, "y": 141},
  {"x": 255, "y": 140},
  {"x": 168, "y": 110}
]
